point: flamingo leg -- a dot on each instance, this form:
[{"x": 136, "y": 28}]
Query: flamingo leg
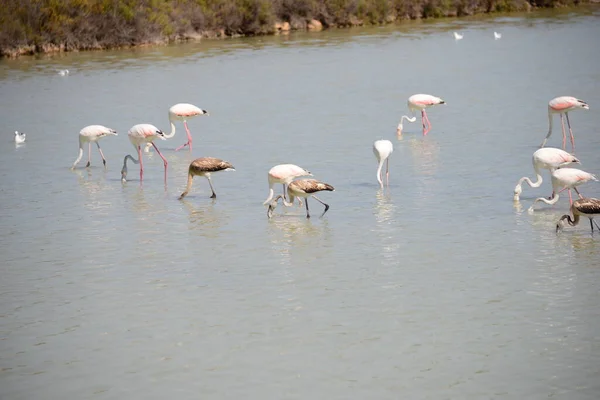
[
  {"x": 580, "y": 196},
  {"x": 139, "y": 148},
  {"x": 214, "y": 196},
  {"x": 571, "y": 133},
  {"x": 101, "y": 154},
  {"x": 283, "y": 184},
  {"x": 562, "y": 123},
  {"x": 307, "y": 213},
  {"x": 189, "y": 136},
  {"x": 89, "y": 155},
  {"x": 423, "y": 118},
  {"x": 161, "y": 156},
  {"x": 592, "y": 221},
  {"x": 428, "y": 123},
  {"x": 320, "y": 201},
  {"x": 387, "y": 171}
]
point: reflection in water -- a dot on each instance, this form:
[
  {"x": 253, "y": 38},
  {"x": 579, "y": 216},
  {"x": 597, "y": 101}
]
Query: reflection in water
[
  {"x": 292, "y": 233},
  {"x": 386, "y": 227},
  {"x": 204, "y": 218},
  {"x": 425, "y": 155}
]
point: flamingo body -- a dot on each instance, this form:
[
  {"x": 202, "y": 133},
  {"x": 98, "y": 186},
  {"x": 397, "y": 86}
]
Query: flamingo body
[
  {"x": 562, "y": 105},
  {"x": 548, "y": 158},
  {"x": 138, "y": 135},
  {"x": 91, "y": 134},
  {"x": 565, "y": 179},
  {"x": 382, "y": 150},
  {"x": 284, "y": 174},
  {"x": 20, "y": 137},
  {"x": 419, "y": 102},
  {"x": 204, "y": 167}
]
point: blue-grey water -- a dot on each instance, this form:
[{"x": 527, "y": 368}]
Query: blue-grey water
[{"x": 439, "y": 287}]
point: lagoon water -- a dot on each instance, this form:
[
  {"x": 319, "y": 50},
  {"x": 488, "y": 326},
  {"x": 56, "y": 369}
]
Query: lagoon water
[{"x": 439, "y": 287}]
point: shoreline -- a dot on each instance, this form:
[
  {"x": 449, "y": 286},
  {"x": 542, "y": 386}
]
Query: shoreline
[{"x": 276, "y": 23}]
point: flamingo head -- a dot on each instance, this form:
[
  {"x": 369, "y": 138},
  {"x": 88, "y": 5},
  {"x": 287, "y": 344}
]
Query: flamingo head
[
  {"x": 160, "y": 134},
  {"x": 518, "y": 191}
]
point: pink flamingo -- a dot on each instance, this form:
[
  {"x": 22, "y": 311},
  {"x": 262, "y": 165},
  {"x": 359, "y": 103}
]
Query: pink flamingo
[
  {"x": 562, "y": 105},
  {"x": 421, "y": 102},
  {"x": 138, "y": 134},
  {"x": 284, "y": 174},
  {"x": 547, "y": 158},
  {"x": 566, "y": 179},
  {"x": 182, "y": 112},
  {"x": 89, "y": 134}
]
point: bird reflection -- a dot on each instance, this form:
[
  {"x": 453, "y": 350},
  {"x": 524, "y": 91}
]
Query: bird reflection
[
  {"x": 425, "y": 155},
  {"x": 204, "y": 218},
  {"x": 94, "y": 190},
  {"x": 291, "y": 235},
  {"x": 384, "y": 211}
]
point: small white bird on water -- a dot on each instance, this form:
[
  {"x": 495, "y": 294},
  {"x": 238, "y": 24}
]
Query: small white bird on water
[
  {"x": 63, "y": 72},
  {"x": 19, "y": 137},
  {"x": 457, "y": 36},
  {"x": 497, "y": 35}
]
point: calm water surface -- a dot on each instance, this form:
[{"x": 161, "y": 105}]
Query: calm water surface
[{"x": 439, "y": 287}]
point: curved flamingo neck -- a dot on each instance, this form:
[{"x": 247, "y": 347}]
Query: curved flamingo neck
[
  {"x": 271, "y": 193},
  {"x": 535, "y": 184},
  {"x": 172, "y": 133},
  {"x": 379, "y": 167}
]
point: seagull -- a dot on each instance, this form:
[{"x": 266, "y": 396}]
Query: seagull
[
  {"x": 497, "y": 35},
  {"x": 457, "y": 36},
  {"x": 19, "y": 137},
  {"x": 63, "y": 72}
]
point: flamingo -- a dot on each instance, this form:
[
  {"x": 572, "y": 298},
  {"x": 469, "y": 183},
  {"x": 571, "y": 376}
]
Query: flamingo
[
  {"x": 400, "y": 126},
  {"x": 89, "y": 134},
  {"x": 302, "y": 188},
  {"x": 20, "y": 137},
  {"x": 566, "y": 179},
  {"x": 584, "y": 207},
  {"x": 562, "y": 105},
  {"x": 138, "y": 134},
  {"x": 458, "y": 36},
  {"x": 497, "y": 35},
  {"x": 547, "y": 158},
  {"x": 421, "y": 102},
  {"x": 204, "y": 167},
  {"x": 181, "y": 112},
  {"x": 382, "y": 150},
  {"x": 284, "y": 174}
]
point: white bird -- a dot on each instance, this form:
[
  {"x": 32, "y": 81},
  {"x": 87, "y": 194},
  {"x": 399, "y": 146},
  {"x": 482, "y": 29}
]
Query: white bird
[
  {"x": 63, "y": 72},
  {"x": 585, "y": 207},
  {"x": 401, "y": 127},
  {"x": 497, "y": 35},
  {"x": 19, "y": 137},
  {"x": 181, "y": 112},
  {"x": 89, "y": 134},
  {"x": 284, "y": 174},
  {"x": 419, "y": 102},
  {"x": 566, "y": 179},
  {"x": 545, "y": 158},
  {"x": 562, "y": 105},
  {"x": 382, "y": 150},
  {"x": 457, "y": 36}
]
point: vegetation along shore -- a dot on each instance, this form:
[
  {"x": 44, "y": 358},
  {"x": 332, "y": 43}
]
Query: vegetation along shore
[{"x": 42, "y": 26}]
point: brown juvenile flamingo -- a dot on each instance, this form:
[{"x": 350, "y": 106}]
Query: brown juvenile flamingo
[
  {"x": 302, "y": 188},
  {"x": 421, "y": 102},
  {"x": 562, "y": 105},
  {"x": 138, "y": 135},
  {"x": 204, "y": 167},
  {"x": 89, "y": 134},
  {"x": 585, "y": 207}
]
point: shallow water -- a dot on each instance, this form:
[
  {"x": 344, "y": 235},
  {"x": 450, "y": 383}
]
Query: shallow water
[{"x": 438, "y": 287}]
